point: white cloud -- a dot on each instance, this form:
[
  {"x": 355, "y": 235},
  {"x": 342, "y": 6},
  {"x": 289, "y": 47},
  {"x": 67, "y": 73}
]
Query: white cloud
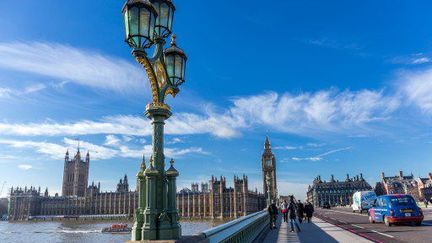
[
  {"x": 25, "y": 166},
  {"x": 315, "y": 145},
  {"x": 54, "y": 150},
  {"x": 127, "y": 125},
  {"x": 32, "y": 88},
  {"x": 414, "y": 59},
  {"x": 174, "y": 141},
  {"x": 314, "y": 113},
  {"x": 417, "y": 88},
  {"x": 127, "y": 152},
  {"x": 5, "y": 92},
  {"x": 307, "y": 146},
  {"x": 306, "y": 158},
  {"x": 183, "y": 123},
  {"x": 421, "y": 60},
  {"x": 97, "y": 152},
  {"x": 84, "y": 67},
  {"x": 288, "y": 147},
  {"x": 111, "y": 140},
  {"x": 331, "y": 43},
  {"x": 320, "y": 156},
  {"x": 127, "y": 138},
  {"x": 306, "y": 114}
]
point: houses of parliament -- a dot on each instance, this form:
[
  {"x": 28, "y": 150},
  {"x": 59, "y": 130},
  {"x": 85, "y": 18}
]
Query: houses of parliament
[{"x": 81, "y": 200}]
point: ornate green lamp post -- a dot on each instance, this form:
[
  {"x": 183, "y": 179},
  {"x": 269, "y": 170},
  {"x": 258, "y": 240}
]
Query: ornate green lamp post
[{"x": 149, "y": 22}]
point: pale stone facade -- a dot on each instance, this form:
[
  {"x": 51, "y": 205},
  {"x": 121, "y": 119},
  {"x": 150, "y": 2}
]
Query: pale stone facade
[
  {"x": 218, "y": 200},
  {"x": 30, "y": 203},
  {"x": 335, "y": 192},
  {"x": 419, "y": 188},
  {"x": 75, "y": 175}
]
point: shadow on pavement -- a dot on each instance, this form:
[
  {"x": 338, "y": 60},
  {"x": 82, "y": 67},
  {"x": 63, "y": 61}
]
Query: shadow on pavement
[{"x": 312, "y": 233}]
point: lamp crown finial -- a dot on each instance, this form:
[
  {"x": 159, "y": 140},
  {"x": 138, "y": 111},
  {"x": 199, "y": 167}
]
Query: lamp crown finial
[{"x": 173, "y": 39}]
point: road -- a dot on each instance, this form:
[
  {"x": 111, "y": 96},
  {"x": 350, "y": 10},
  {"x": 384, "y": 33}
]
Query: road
[{"x": 359, "y": 224}]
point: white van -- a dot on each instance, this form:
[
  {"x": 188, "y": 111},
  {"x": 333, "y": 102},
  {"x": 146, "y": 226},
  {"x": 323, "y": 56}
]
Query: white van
[{"x": 363, "y": 200}]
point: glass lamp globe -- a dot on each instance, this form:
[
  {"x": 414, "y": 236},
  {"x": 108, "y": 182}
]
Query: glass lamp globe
[
  {"x": 139, "y": 19},
  {"x": 164, "y": 20},
  {"x": 175, "y": 60}
]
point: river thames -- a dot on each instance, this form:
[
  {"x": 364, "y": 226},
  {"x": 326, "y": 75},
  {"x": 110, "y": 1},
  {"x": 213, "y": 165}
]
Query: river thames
[{"x": 77, "y": 231}]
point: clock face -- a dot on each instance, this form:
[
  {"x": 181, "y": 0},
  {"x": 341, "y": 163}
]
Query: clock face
[{"x": 268, "y": 162}]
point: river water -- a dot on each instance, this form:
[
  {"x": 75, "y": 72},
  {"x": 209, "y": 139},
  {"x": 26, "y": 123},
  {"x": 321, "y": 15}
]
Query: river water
[{"x": 77, "y": 231}]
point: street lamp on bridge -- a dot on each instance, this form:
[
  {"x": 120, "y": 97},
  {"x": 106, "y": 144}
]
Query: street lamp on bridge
[{"x": 148, "y": 23}]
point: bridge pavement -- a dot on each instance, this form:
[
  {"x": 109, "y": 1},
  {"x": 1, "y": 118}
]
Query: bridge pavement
[{"x": 317, "y": 231}]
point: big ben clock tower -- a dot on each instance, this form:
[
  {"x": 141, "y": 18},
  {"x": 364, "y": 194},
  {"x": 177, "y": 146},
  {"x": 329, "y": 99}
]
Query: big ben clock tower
[{"x": 268, "y": 162}]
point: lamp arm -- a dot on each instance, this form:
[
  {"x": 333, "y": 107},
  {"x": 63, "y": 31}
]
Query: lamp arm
[
  {"x": 158, "y": 51},
  {"x": 145, "y": 62}
]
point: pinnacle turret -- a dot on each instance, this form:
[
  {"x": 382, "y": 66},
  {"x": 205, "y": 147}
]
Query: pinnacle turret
[
  {"x": 143, "y": 164},
  {"x": 267, "y": 144}
]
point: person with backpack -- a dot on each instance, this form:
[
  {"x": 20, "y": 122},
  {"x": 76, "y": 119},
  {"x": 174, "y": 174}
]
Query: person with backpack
[
  {"x": 285, "y": 211},
  {"x": 273, "y": 212},
  {"x": 300, "y": 211},
  {"x": 309, "y": 210},
  {"x": 292, "y": 208}
]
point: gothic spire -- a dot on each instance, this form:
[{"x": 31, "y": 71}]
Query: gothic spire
[
  {"x": 267, "y": 142},
  {"x": 143, "y": 164}
]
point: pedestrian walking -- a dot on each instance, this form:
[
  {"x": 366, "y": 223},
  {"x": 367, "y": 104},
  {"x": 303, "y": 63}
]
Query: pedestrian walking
[
  {"x": 300, "y": 211},
  {"x": 309, "y": 210},
  {"x": 426, "y": 202},
  {"x": 292, "y": 215},
  {"x": 273, "y": 212},
  {"x": 285, "y": 211}
]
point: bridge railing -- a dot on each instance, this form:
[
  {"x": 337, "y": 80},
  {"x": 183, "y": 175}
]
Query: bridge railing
[{"x": 244, "y": 229}]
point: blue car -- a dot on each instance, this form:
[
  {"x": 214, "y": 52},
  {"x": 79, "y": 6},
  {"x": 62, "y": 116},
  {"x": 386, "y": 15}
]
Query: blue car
[{"x": 397, "y": 208}]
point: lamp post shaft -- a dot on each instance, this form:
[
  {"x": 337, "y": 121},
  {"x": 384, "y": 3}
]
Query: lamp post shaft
[{"x": 147, "y": 23}]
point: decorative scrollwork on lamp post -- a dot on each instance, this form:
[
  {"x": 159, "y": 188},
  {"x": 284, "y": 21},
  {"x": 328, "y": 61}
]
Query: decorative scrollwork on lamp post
[{"x": 148, "y": 23}]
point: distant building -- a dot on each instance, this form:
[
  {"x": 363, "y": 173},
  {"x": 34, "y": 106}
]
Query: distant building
[
  {"x": 218, "y": 200},
  {"x": 77, "y": 197},
  {"x": 75, "y": 175},
  {"x": 335, "y": 192},
  {"x": 419, "y": 188},
  {"x": 268, "y": 164},
  {"x": 425, "y": 187}
]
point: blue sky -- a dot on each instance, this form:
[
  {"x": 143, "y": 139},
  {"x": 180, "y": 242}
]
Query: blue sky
[{"x": 341, "y": 87}]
